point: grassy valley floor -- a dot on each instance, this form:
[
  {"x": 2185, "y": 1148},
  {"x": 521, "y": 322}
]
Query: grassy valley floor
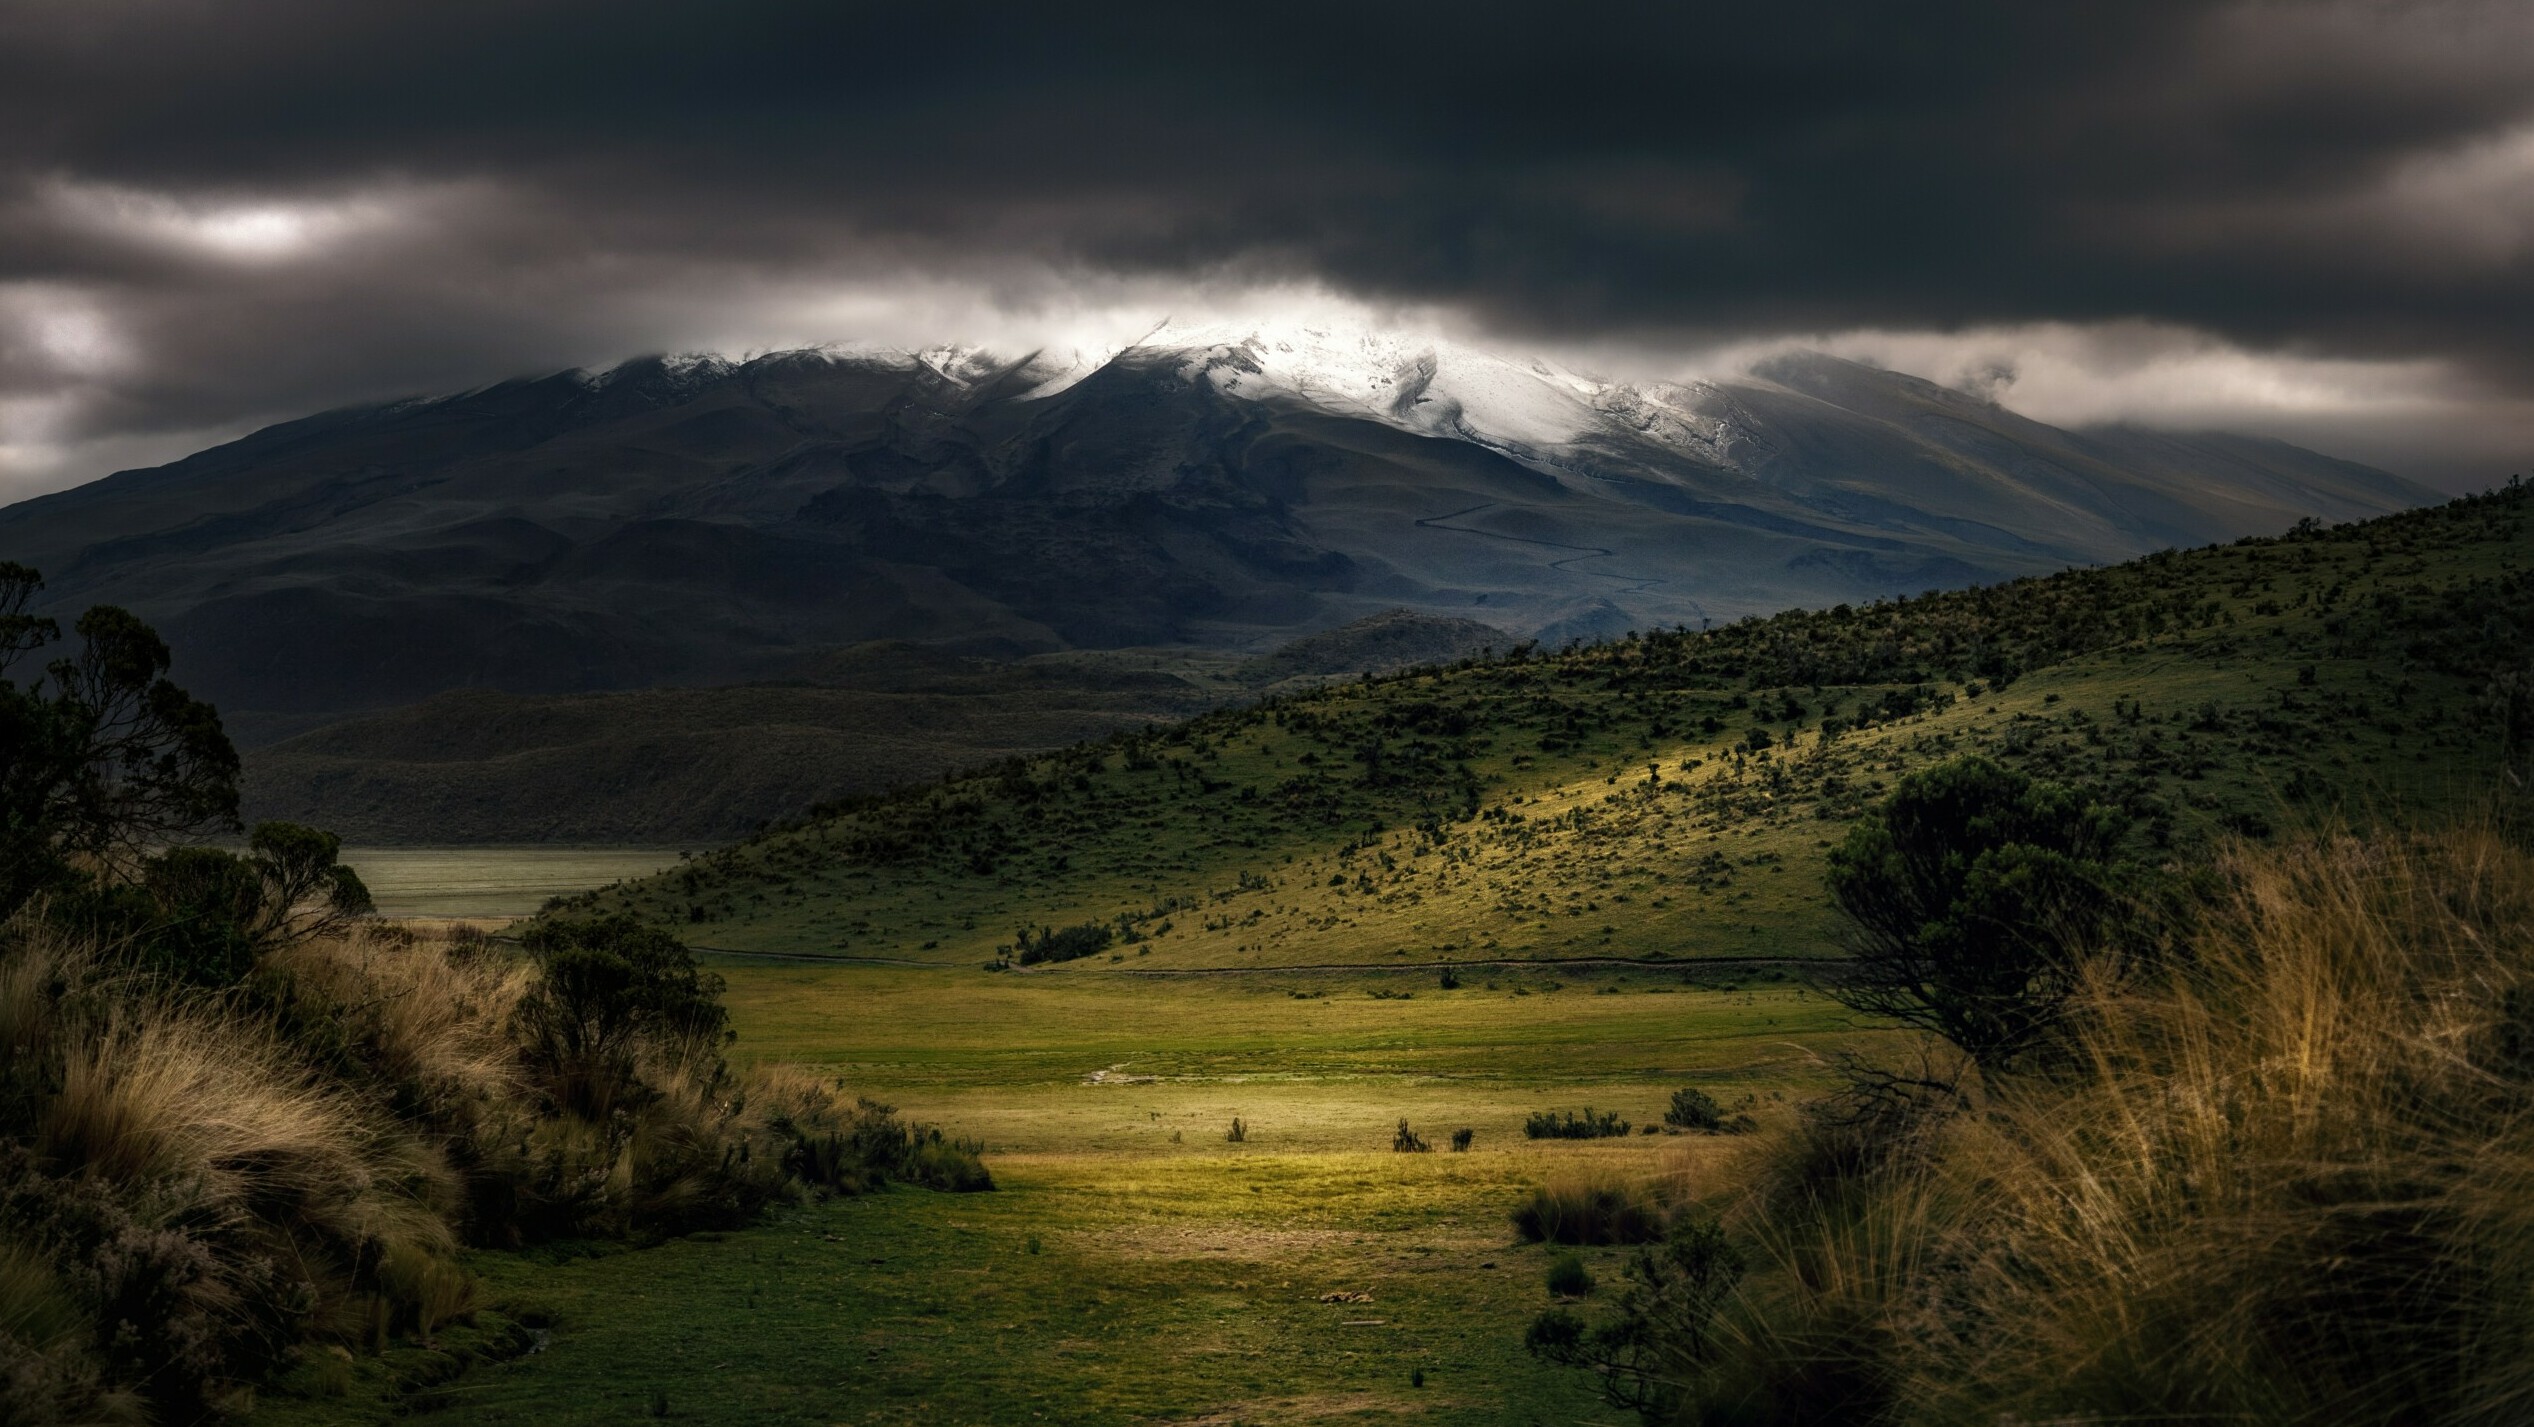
[{"x": 1133, "y": 1265}]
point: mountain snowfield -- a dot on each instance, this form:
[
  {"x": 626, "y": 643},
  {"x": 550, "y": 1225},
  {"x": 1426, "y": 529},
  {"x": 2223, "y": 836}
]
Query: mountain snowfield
[
  {"x": 703, "y": 519},
  {"x": 1427, "y": 384}
]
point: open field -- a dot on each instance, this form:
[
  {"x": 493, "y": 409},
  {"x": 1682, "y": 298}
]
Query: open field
[
  {"x": 492, "y": 882},
  {"x": 1175, "y": 1277}
]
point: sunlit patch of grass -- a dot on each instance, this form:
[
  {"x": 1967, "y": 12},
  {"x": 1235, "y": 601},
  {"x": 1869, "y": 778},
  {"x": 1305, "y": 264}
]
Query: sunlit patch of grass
[{"x": 1176, "y": 1276}]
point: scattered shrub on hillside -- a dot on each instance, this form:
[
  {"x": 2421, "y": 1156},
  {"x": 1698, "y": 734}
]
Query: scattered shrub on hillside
[
  {"x": 1695, "y": 1109},
  {"x": 1461, "y": 1139},
  {"x": 1594, "y": 1210},
  {"x": 1568, "y": 1125},
  {"x": 1070, "y": 944},
  {"x": 1239, "y": 1131},
  {"x": 1408, "y": 1141}
]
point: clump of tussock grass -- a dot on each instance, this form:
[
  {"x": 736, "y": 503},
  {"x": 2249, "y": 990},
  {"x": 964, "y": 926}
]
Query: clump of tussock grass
[
  {"x": 195, "y": 1183},
  {"x": 834, "y": 1142},
  {"x": 204, "y": 1200},
  {"x": 2290, "y": 1179},
  {"x": 1598, "y": 1208},
  {"x": 2283, "y": 1177}
]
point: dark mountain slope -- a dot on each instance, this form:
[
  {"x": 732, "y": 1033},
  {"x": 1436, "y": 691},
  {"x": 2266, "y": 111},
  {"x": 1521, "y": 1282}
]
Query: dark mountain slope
[{"x": 694, "y": 522}]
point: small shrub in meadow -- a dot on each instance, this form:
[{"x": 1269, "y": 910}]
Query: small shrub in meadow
[
  {"x": 1568, "y": 1125},
  {"x": 1461, "y": 1139},
  {"x": 1568, "y": 1278},
  {"x": 1408, "y": 1141},
  {"x": 1239, "y": 1133},
  {"x": 1695, "y": 1109}
]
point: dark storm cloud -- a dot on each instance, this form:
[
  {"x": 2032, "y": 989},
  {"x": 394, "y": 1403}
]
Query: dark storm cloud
[{"x": 456, "y": 190}]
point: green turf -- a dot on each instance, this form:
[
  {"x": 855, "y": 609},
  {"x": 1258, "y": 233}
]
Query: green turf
[{"x": 1178, "y": 1276}]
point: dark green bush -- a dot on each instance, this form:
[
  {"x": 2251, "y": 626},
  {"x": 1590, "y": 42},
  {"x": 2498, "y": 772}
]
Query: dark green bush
[
  {"x": 1568, "y": 1125},
  {"x": 1568, "y": 1278},
  {"x": 1970, "y": 895},
  {"x": 1695, "y": 1109},
  {"x": 201, "y": 916},
  {"x": 1070, "y": 944},
  {"x": 609, "y": 984},
  {"x": 1662, "y": 1330}
]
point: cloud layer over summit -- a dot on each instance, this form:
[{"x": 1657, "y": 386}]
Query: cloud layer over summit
[{"x": 2311, "y": 218}]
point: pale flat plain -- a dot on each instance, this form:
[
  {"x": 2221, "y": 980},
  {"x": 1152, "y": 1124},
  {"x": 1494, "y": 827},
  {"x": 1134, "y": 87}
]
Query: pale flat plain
[{"x": 492, "y": 882}]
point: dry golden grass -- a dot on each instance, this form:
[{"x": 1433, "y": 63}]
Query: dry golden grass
[
  {"x": 2289, "y": 1179},
  {"x": 175, "y": 1150},
  {"x": 195, "y": 1184}
]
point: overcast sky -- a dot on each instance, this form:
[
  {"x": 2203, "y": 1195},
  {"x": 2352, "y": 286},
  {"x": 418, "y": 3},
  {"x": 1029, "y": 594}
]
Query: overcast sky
[{"x": 2311, "y": 219}]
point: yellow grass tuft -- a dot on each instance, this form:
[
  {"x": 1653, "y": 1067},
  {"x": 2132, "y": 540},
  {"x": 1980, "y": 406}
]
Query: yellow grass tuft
[{"x": 2287, "y": 1179}]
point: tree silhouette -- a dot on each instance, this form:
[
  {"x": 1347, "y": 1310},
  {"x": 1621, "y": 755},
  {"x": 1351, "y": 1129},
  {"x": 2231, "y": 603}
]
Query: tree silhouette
[
  {"x": 102, "y": 758},
  {"x": 1970, "y": 897}
]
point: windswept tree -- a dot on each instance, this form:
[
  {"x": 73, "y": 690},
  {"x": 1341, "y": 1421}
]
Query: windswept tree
[
  {"x": 1970, "y": 898},
  {"x": 102, "y": 757}
]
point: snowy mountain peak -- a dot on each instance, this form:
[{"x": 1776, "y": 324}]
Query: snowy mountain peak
[
  {"x": 1528, "y": 407},
  {"x": 1438, "y": 386}
]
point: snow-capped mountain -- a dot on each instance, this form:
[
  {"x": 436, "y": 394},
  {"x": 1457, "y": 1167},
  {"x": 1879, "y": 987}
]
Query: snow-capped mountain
[
  {"x": 709, "y": 518},
  {"x": 1429, "y": 385}
]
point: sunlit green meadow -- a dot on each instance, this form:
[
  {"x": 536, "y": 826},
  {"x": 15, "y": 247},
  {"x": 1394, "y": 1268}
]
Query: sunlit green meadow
[{"x": 1134, "y": 1265}]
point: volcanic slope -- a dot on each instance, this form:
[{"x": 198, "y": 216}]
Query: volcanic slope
[
  {"x": 1672, "y": 795},
  {"x": 697, "y": 521}
]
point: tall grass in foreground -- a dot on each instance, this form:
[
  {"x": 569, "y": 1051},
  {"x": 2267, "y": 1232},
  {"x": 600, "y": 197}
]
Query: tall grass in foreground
[
  {"x": 197, "y": 1185},
  {"x": 189, "y": 1199},
  {"x": 2288, "y": 1178}
]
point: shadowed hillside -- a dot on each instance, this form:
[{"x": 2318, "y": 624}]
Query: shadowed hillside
[{"x": 707, "y": 765}]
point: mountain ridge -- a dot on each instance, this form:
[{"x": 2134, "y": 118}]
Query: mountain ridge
[{"x": 696, "y": 521}]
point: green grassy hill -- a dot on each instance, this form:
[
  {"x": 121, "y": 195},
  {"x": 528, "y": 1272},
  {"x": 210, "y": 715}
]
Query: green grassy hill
[{"x": 1671, "y": 795}]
